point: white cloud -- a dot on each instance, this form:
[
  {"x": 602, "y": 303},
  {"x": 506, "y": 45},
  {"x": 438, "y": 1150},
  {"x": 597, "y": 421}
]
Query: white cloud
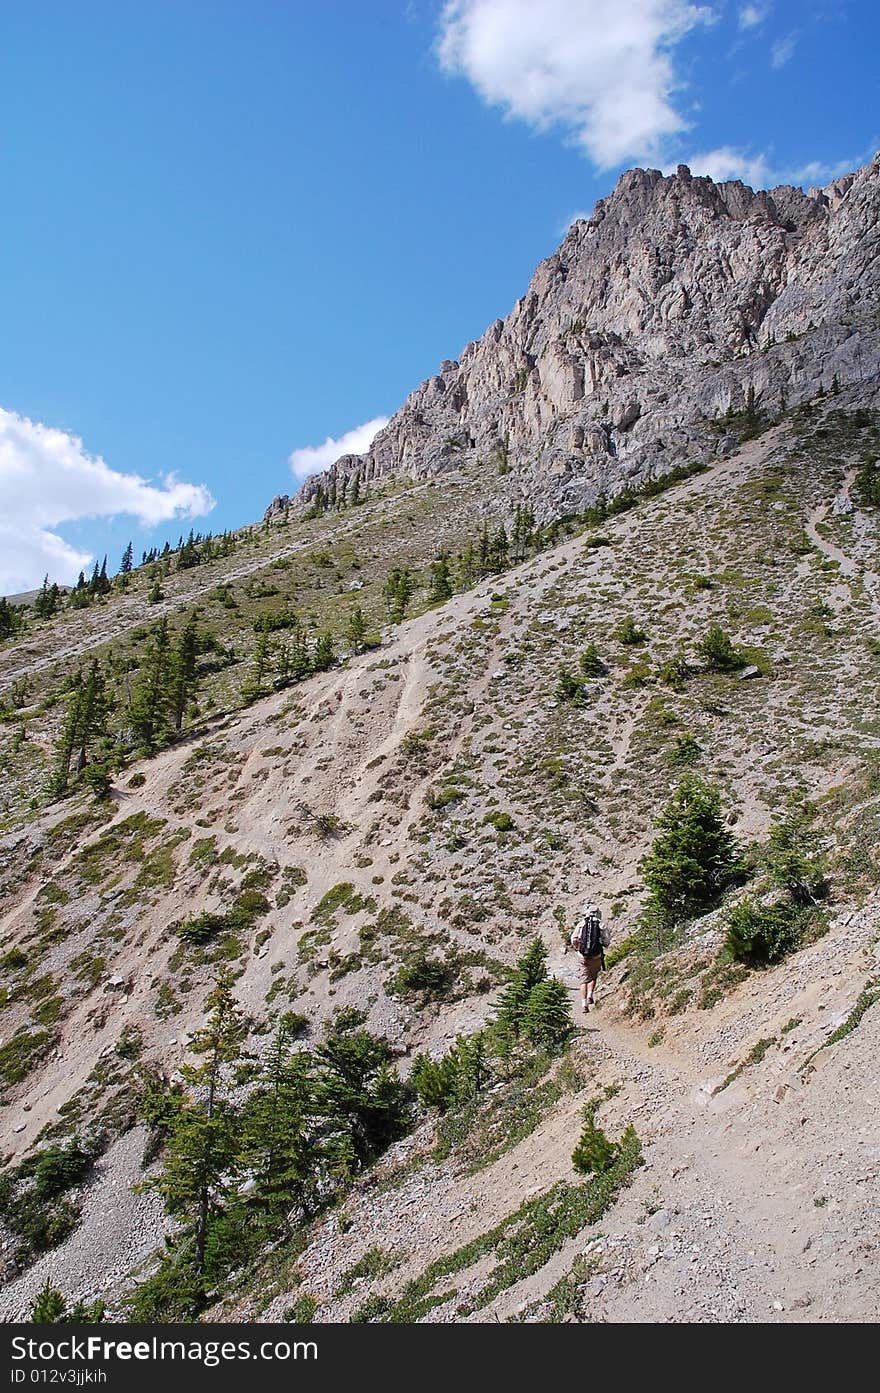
[
  {"x": 752, "y": 16},
  {"x": 581, "y": 215},
  {"x": 601, "y": 70},
  {"x": 47, "y": 478},
  {"x": 782, "y": 50},
  {"x": 727, "y": 162},
  {"x": 312, "y": 459}
]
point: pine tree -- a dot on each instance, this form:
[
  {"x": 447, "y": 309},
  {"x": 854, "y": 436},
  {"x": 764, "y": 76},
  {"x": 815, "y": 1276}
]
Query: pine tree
[
  {"x": 51, "y": 1308},
  {"x": 183, "y": 672},
  {"x": 499, "y": 555},
  {"x": 282, "y": 1143},
  {"x": 441, "y": 580},
  {"x": 11, "y": 619},
  {"x": 325, "y": 654},
  {"x": 361, "y": 1094},
  {"x": 594, "y": 1153},
  {"x": 718, "y": 652},
  {"x": 357, "y": 630},
  {"x": 84, "y": 728},
  {"x": 531, "y": 969},
  {"x": 398, "y": 590},
  {"x": 127, "y": 561},
  {"x": 795, "y": 862},
  {"x": 546, "y": 1017},
  {"x": 484, "y": 551},
  {"x": 467, "y": 565},
  {"x": 255, "y": 686},
  {"x": 568, "y": 688},
  {"x": 523, "y": 528},
  {"x": 693, "y": 856},
  {"x": 591, "y": 663},
  {"x": 149, "y": 715},
  {"x": 48, "y": 600},
  {"x": 201, "y": 1160}
]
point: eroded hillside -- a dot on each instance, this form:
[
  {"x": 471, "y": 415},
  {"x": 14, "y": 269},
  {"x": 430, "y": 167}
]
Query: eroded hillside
[{"x": 434, "y": 803}]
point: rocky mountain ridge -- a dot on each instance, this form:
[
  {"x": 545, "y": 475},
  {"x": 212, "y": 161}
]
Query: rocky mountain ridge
[
  {"x": 375, "y": 839},
  {"x": 678, "y": 303}
]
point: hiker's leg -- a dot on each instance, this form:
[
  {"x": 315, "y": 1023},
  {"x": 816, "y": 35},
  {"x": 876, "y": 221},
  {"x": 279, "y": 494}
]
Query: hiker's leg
[{"x": 591, "y": 975}]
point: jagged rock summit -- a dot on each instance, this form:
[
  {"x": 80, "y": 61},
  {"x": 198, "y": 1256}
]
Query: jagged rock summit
[{"x": 679, "y": 301}]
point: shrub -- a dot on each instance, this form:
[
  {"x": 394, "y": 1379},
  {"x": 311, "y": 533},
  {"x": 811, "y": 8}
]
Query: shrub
[
  {"x": 591, "y": 663},
  {"x": 568, "y": 688},
  {"x": 424, "y": 977},
  {"x": 718, "y": 652},
  {"x": 456, "y": 1078},
  {"x": 51, "y": 1308},
  {"x": 686, "y": 750},
  {"x": 761, "y": 934},
  {"x": 629, "y": 633}
]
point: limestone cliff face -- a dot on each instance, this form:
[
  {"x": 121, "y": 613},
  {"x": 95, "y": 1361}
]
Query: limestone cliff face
[{"x": 653, "y": 318}]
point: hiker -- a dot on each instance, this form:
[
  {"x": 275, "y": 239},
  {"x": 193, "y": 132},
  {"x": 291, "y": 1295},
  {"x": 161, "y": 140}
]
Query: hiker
[{"x": 590, "y": 937}]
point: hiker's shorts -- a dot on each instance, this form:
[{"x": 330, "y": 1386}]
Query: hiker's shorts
[{"x": 590, "y": 968}]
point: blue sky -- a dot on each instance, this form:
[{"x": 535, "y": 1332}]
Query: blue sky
[{"x": 234, "y": 230}]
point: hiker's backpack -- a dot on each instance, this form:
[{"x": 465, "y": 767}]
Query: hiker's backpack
[{"x": 590, "y": 941}]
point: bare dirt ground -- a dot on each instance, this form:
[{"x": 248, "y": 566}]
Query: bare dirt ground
[{"x": 756, "y": 1201}]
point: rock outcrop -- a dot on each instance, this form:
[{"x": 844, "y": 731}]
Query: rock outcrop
[{"x": 677, "y": 302}]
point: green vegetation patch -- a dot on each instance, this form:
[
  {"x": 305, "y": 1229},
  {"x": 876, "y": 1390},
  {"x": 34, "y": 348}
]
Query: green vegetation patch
[{"x": 522, "y": 1243}]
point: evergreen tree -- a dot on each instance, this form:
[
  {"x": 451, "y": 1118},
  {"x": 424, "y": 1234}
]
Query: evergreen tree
[
  {"x": 546, "y": 1017},
  {"x": 255, "y": 686},
  {"x": 499, "y": 554},
  {"x": 591, "y": 663},
  {"x": 484, "y": 551},
  {"x": 468, "y": 564},
  {"x": 48, "y": 600},
  {"x": 357, "y": 630},
  {"x": 149, "y": 714},
  {"x": 717, "y": 650},
  {"x": 594, "y": 1153},
  {"x": 51, "y": 1308},
  {"x": 325, "y": 654},
  {"x": 398, "y": 590},
  {"x": 84, "y": 728},
  {"x": 80, "y": 595},
  {"x": 568, "y": 688},
  {"x": 188, "y": 554},
  {"x": 183, "y": 672},
  {"x": 282, "y": 1143},
  {"x": 794, "y": 860},
  {"x": 11, "y": 619},
  {"x": 693, "y": 856},
  {"x": 436, "y": 1080},
  {"x": 127, "y": 561},
  {"x": 628, "y": 632},
  {"x": 523, "y": 529},
  {"x": 361, "y": 1094},
  {"x": 441, "y": 580},
  {"x": 201, "y": 1158},
  {"x": 530, "y": 970}
]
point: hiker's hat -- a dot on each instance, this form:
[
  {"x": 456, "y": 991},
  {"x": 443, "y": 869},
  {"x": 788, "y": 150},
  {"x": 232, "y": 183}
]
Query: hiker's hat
[{"x": 590, "y": 908}]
